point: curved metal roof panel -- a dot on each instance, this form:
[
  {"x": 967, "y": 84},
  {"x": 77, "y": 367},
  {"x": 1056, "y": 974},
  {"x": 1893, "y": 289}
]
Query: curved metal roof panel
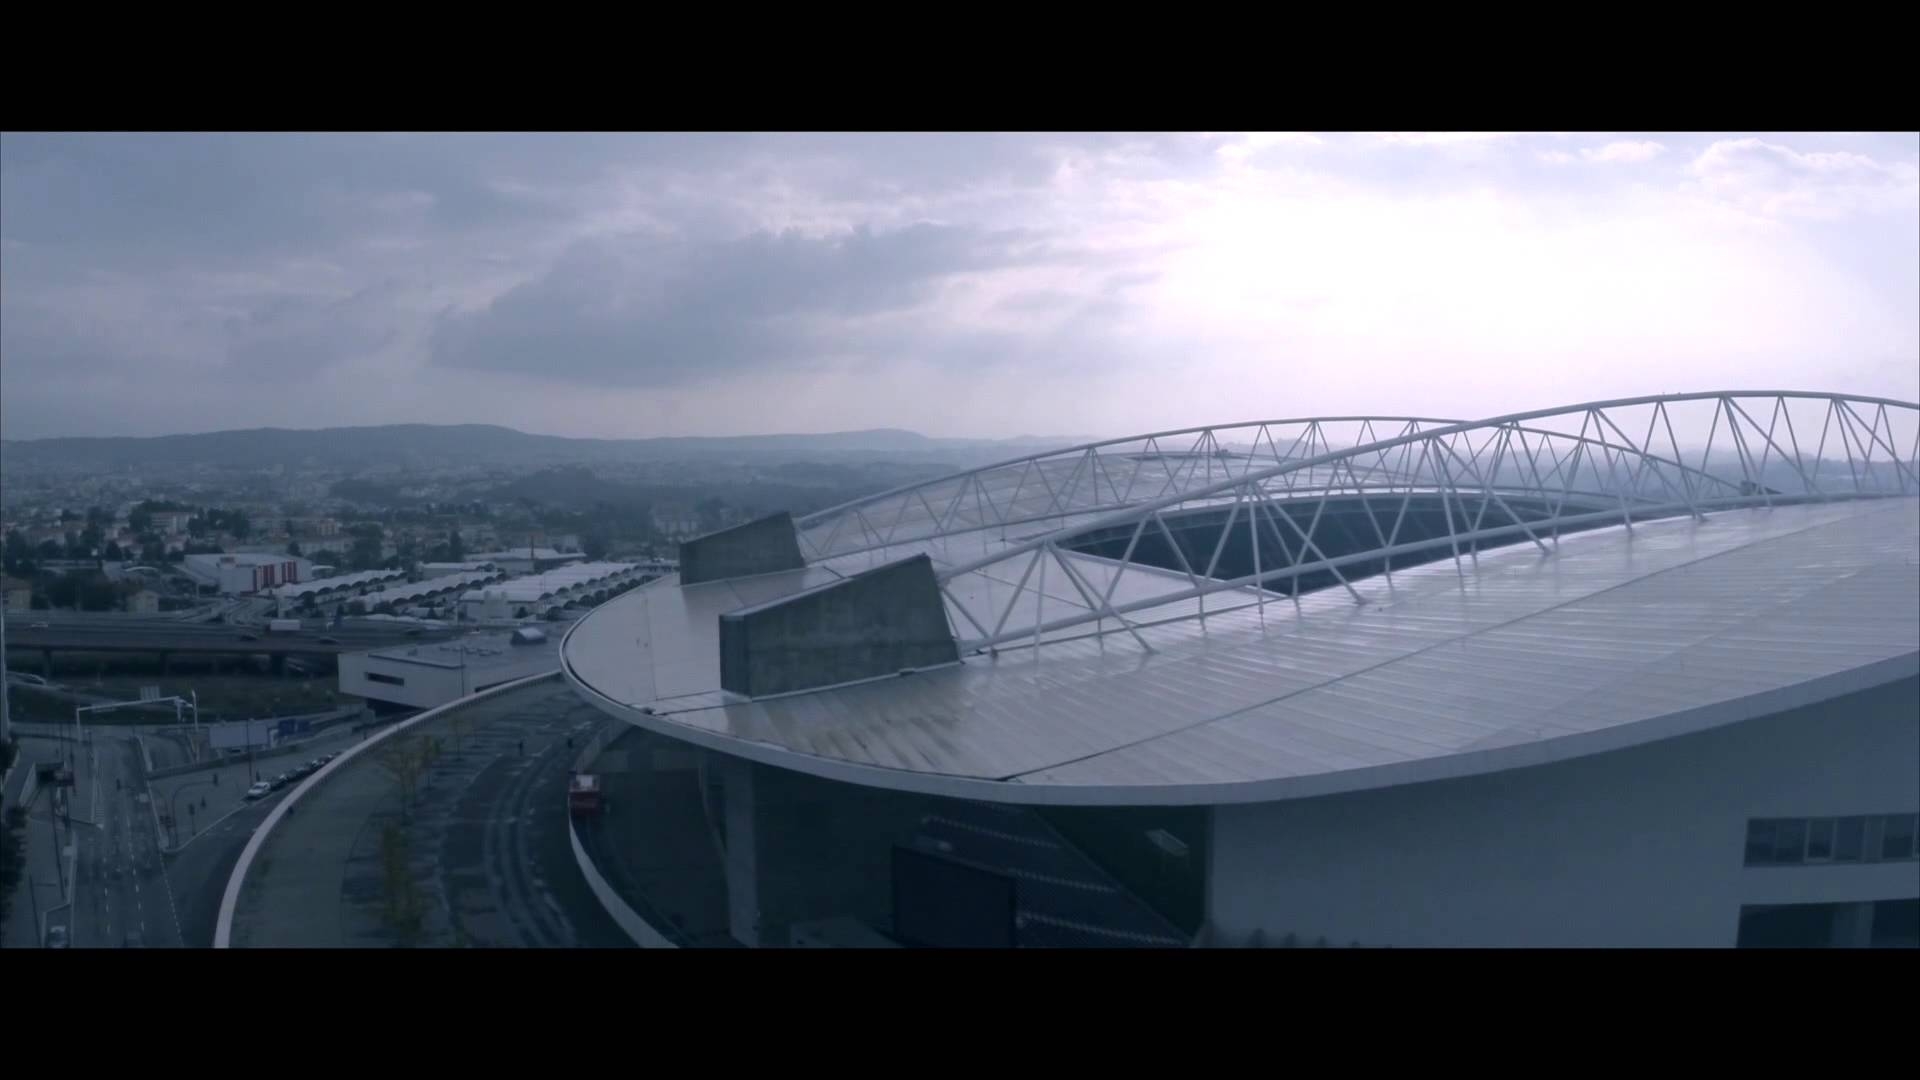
[{"x": 1621, "y": 636}]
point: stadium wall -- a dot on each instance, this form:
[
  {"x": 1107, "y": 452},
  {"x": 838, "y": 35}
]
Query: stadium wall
[{"x": 1637, "y": 847}]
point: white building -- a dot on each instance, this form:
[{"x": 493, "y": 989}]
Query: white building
[
  {"x": 444, "y": 589},
  {"x": 577, "y": 586},
  {"x": 1657, "y": 705},
  {"x": 528, "y": 560},
  {"x": 423, "y": 676},
  {"x": 327, "y": 593},
  {"x": 442, "y": 569},
  {"x": 246, "y": 572}
]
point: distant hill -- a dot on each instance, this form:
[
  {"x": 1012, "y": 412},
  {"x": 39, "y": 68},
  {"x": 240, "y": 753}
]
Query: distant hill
[{"x": 425, "y": 444}]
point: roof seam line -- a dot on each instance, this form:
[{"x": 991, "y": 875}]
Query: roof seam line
[{"x": 1012, "y": 777}]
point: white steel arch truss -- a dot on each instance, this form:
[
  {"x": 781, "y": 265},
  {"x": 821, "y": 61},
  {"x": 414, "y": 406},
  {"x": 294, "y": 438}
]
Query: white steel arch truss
[{"x": 1522, "y": 478}]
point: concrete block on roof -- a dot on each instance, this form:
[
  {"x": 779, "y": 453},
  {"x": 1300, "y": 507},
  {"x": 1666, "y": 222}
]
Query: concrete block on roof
[
  {"x": 765, "y": 546},
  {"x": 879, "y": 622}
]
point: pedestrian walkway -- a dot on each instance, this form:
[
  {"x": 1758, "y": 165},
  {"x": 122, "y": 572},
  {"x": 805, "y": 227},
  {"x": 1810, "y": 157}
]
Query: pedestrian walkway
[
  {"x": 485, "y": 847},
  {"x": 38, "y": 895}
]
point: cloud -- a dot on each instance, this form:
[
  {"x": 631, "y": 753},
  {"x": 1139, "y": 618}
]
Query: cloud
[
  {"x": 1246, "y": 146},
  {"x": 1613, "y": 153},
  {"x": 645, "y": 309},
  {"x": 1629, "y": 152},
  {"x": 1442, "y": 138},
  {"x": 291, "y": 338},
  {"x": 1772, "y": 181},
  {"x": 960, "y": 283}
]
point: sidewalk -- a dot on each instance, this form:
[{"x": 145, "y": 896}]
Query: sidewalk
[
  {"x": 320, "y": 882},
  {"x": 42, "y": 875}
]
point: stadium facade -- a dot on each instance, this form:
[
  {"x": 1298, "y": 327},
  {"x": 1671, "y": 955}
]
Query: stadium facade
[{"x": 1636, "y": 672}]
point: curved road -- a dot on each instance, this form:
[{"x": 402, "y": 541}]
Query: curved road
[
  {"x": 504, "y": 866},
  {"x": 486, "y": 840}
]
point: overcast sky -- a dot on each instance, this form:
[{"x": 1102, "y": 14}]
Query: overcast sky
[{"x": 989, "y": 285}]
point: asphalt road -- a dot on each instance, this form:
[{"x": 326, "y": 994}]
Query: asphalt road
[
  {"x": 198, "y": 873},
  {"x": 498, "y": 843},
  {"x": 216, "y": 832},
  {"x": 132, "y": 634},
  {"x": 125, "y": 889},
  {"x": 121, "y": 893}
]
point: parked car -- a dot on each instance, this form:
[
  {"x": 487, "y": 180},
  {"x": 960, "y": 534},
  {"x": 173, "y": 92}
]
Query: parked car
[
  {"x": 329, "y": 641},
  {"x": 249, "y": 637},
  {"x": 41, "y": 626},
  {"x": 260, "y": 790},
  {"x": 281, "y": 781},
  {"x": 56, "y": 937}
]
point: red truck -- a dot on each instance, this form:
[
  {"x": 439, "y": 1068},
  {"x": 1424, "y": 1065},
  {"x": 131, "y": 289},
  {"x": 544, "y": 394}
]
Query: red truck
[{"x": 584, "y": 797}]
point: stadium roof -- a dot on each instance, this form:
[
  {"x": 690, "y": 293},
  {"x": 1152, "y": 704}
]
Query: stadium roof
[
  {"x": 1738, "y": 599},
  {"x": 1620, "y": 639}
]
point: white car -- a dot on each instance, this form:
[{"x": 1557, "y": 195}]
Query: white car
[{"x": 260, "y": 790}]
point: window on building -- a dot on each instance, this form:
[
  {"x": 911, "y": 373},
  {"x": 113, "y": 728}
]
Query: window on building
[
  {"x": 395, "y": 680},
  {"x": 1897, "y": 836},
  {"x": 1789, "y": 840},
  {"x": 1876, "y": 831},
  {"x": 1820, "y": 840},
  {"x": 1849, "y": 839},
  {"x": 1861, "y": 838}
]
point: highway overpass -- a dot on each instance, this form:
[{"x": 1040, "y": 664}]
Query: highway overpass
[{"x": 32, "y": 631}]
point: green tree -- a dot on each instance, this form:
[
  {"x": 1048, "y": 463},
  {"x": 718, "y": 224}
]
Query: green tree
[
  {"x": 19, "y": 554},
  {"x": 456, "y": 548},
  {"x": 293, "y": 548},
  {"x": 96, "y": 593},
  {"x": 366, "y": 553},
  {"x": 238, "y": 525},
  {"x": 113, "y": 552}
]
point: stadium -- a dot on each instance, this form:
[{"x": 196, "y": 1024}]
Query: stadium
[{"x": 1642, "y": 672}]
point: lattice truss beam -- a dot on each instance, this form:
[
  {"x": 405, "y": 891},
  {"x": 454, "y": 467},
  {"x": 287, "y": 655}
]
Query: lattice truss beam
[{"x": 1524, "y": 478}]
